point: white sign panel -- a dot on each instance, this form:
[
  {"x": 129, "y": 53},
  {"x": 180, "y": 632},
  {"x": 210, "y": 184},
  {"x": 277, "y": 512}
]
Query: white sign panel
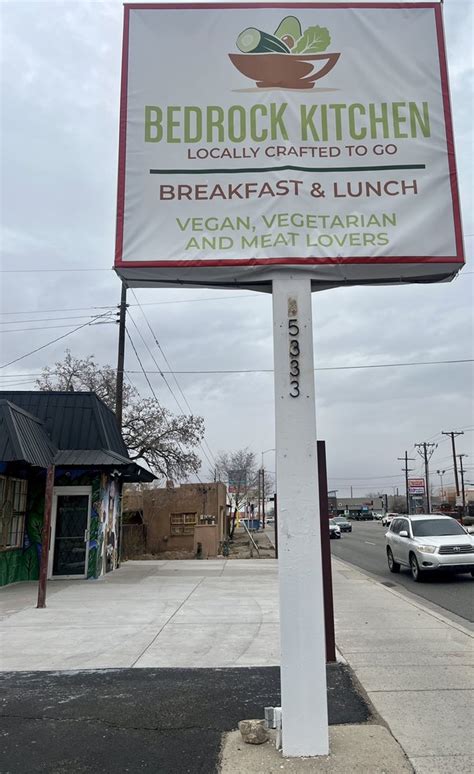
[{"x": 314, "y": 137}]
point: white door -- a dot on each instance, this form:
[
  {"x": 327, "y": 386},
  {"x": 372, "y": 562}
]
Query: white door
[{"x": 70, "y": 524}]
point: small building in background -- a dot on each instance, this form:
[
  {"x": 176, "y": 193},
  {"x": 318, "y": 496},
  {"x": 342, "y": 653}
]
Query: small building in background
[
  {"x": 177, "y": 519},
  {"x": 77, "y": 434}
]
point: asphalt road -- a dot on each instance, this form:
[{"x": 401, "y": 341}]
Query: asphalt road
[{"x": 365, "y": 548}]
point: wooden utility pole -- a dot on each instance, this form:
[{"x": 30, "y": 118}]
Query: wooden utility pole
[
  {"x": 426, "y": 451},
  {"x": 463, "y": 490},
  {"x": 121, "y": 356},
  {"x": 407, "y": 470},
  {"x": 45, "y": 537},
  {"x": 453, "y": 434}
]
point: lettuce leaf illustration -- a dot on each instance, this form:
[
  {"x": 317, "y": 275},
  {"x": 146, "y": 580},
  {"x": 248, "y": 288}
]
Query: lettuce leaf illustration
[{"x": 313, "y": 41}]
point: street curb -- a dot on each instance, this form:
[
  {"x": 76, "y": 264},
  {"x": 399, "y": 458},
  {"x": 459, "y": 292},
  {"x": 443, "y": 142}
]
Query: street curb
[{"x": 407, "y": 598}]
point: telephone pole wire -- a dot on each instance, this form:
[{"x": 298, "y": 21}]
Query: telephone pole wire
[
  {"x": 426, "y": 450},
  {"x": 453, "y": 434},
  {"x": 406, "y": 469}
]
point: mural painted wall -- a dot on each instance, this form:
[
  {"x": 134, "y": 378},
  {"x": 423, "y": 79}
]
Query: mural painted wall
[
  {"x": 105, "y": 525},
  {"x": 22, "y": 564}
]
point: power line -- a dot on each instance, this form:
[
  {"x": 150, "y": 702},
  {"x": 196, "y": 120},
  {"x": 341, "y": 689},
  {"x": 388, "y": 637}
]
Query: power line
[
  {"x": 269, "y": 371},
  {"x": 174, "y": 376},
  {"x": 154, "y": 394},
  {"x": 146, "y": 303},
  {"x": 168, "y": 384},
  {"x": 63, "y": 309},
  {"x": 45, "y": 327},
  {"x": 319, "y": 368},
  {"x": 53, "y": 341},
  {"x": 46, "y": 319},
  {"x": 361, "y": 478}
]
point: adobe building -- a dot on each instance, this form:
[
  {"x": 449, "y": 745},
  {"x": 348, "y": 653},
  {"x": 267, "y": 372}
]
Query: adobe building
[{"x": 178, "y": 518}]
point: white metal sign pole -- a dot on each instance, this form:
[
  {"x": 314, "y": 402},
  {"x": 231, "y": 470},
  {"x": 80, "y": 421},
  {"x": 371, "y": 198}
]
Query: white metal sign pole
[{"x": 303, "y": 658}]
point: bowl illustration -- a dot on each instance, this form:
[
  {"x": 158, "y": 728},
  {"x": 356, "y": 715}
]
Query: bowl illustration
[{"x": 284, "y": 71}]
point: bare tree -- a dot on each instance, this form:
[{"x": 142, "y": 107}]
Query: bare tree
[
  {"x": 239, "y": 470},
  {"x": 164, "y": 441}
]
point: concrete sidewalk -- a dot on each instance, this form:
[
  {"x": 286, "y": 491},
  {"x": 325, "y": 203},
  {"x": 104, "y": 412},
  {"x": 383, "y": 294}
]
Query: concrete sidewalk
[{"x": 415, "y": 664}]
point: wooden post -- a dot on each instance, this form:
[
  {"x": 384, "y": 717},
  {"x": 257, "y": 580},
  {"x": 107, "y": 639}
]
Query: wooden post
[
  {"x": 46, "y": 537},
  {"x": 121, "y": 357}
]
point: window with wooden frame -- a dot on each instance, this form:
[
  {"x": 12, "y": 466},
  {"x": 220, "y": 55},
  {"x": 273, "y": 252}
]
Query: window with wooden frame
[
  {"x": 13, "y": 493},
  {"x": 182, "y": 523}
]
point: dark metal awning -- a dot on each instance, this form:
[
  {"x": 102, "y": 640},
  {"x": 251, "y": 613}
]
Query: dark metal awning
[
  {"x": 103, "y": 458},
  {"x": 23, "y": 437}
]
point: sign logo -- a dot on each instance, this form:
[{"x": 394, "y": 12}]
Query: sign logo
[{"x": 290, "y": 58}]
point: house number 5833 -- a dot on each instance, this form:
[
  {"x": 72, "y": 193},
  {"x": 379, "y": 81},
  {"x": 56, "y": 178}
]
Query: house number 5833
[{"x": 294, "y": 356}]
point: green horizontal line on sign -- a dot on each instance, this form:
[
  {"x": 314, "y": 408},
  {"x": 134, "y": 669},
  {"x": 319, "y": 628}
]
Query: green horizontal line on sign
[{"x": 239, "y": 170}]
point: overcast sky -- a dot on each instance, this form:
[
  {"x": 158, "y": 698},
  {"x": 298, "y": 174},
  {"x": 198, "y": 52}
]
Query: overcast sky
[{"x": 59, "y": 134}]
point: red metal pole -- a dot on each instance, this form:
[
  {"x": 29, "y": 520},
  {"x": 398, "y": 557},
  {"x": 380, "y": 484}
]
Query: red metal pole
[
  {"x": 326, "y": 554},
  {"x": 45, "y": 537}
]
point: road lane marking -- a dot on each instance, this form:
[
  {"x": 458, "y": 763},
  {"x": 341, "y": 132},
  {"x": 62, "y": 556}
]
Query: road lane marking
[{"x": 369, "y": 543}]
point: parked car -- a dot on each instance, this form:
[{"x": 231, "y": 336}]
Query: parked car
[
  {"x": 334, "y": 529},
  {"x": 428, "y": 542},
  {"x": 388, "y": 518},
  {"x": 342, "y": 523}
]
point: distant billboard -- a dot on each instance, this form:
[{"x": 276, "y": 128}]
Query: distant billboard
[
  {"x": 256, "y": 138},
  {"x": 416, "y": 486}
]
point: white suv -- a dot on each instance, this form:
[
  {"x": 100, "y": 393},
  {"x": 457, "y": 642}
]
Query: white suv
[{"x": 428, "y": 542}]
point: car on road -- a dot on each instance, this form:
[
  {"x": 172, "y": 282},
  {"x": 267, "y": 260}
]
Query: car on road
[
  {"x": 364, "y": 516},
  {"x": 388, "y": 518},
  {"x": 334, "y": 529},
  {"x": 428, "y": 542},
  {"x": 377, "y": 515},
  {"x": 342, "y": 523}
]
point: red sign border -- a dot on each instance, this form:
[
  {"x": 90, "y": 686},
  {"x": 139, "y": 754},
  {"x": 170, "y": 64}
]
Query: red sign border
[{"x": 421, "y": 259}]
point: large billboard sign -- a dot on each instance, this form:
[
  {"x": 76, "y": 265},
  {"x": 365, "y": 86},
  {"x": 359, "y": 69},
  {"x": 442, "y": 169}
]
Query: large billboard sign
[{"x": 315, "y": 137}]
